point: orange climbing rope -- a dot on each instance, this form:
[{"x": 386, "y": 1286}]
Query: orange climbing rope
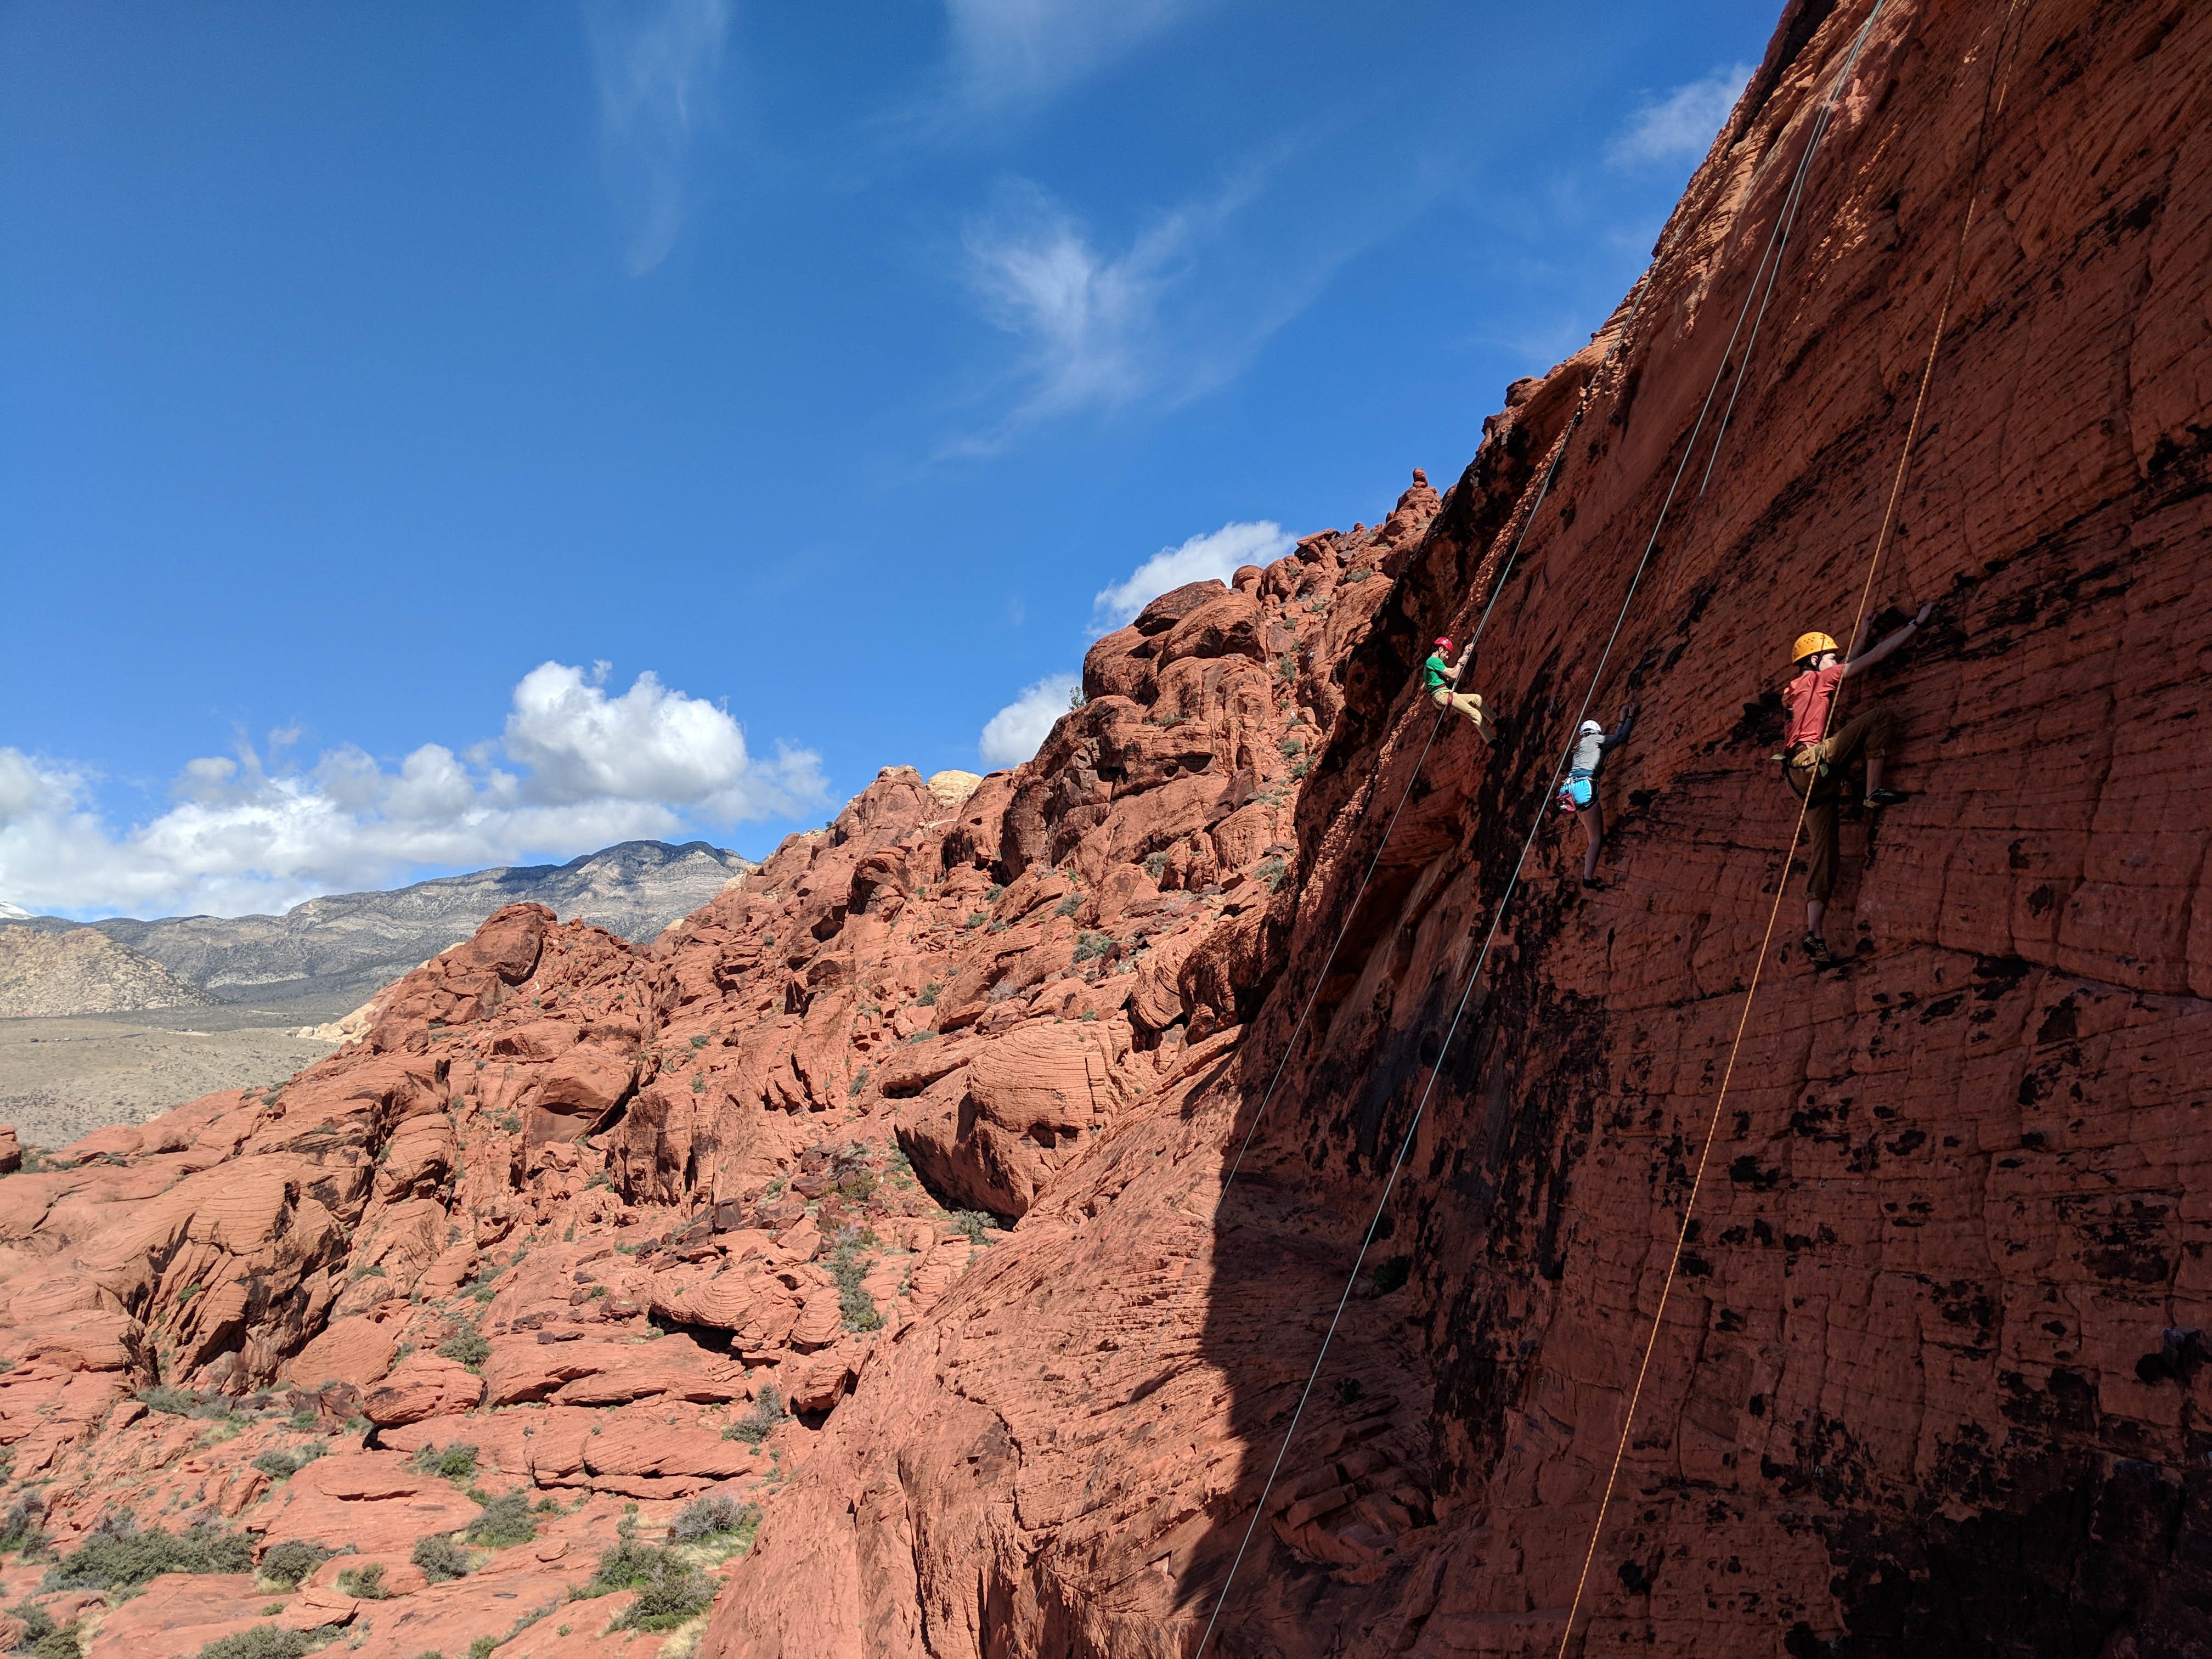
[
  {"x": 1551, "y": 472},
  {"x": 1992, "y": 106},
  {"x": 1761, "y": 288}
]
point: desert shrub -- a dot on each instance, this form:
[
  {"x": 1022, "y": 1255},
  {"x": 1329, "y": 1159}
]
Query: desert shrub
[
  {"x": 756, "y": 1424},
  {"x": 58, "y": 1645},
  {"x": 974, "y": 1222},
  {"x": 37, "y": 1625},
  {"x": 366, "y": 1582},
  {"x": 712, "y": 1518},
  {"x": 278, "y": 1463},
  {"x": 1068, "y": 906},
  {"x": 928, "y": 997},
  {"x": 849, "y": 1267},
  {"x": 668, "y": 1589},
  {"x": 977, "y": 918},
  {"x": 1273, "y": 871},
  {"x": 482, "y": 1647},
  {"x": 991, "y": 893},
  {"x": 262, "y": 1642},
  {"x": 505, "y": 1520},
  {"x": 468, "y": 1344},
  {"x": 118, "y": 1553},
  {"x": 859, "y": 1081},
  {"x": 1156, "y": 865},
  {"x": 20, "y": 1527},
  {"x": 456, "y": 1462},
  {"x": 441, "y": 1559},
  {"x": 1091, "y": 945},
  {"x": 292, "y": 1560}
]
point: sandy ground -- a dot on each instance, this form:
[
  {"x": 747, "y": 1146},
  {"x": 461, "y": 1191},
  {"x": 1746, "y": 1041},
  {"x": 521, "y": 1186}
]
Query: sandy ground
[{"x": 65, "y": 1077}]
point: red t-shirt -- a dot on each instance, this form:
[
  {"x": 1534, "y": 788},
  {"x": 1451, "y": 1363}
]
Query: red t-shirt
[{"x": 1808, "y": 698}]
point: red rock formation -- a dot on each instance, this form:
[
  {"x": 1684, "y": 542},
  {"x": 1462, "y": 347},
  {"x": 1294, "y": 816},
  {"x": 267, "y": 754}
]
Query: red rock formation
[
  {"x": 1931, "y": 1379},
  {"x": 1933, "y": 1374}
]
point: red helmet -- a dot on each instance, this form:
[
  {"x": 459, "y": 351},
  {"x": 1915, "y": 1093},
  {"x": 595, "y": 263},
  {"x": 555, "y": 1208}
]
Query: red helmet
[{"x": 1444, "y": 644}]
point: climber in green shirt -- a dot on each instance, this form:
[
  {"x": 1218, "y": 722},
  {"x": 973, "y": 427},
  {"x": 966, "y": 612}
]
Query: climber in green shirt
[{"x": 1441, "y": 677}]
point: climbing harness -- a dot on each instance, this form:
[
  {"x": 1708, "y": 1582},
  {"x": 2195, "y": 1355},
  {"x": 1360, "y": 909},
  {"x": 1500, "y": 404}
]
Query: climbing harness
[
  {"x": 1992, "y": 107},
  {"x": 1776, "y": 245}
]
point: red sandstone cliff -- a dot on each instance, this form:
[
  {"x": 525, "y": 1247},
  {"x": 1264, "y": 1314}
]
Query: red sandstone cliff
[{"x": 1934, "y": 1378}]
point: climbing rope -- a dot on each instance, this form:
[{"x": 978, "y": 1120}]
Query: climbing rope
[
  {"x": 1776, "y": 246},
  {"x": 1560, "y": 447},
  {"x": 1992, "y": 106}
]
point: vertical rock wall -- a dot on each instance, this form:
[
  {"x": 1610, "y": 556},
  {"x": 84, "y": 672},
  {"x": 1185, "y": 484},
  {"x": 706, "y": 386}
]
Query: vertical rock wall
[{"x": 1932, "y": 1376}]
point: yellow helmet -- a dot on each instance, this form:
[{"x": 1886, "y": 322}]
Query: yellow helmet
[{"x": 1810, "y": 644}]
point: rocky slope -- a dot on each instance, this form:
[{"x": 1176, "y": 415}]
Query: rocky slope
[
  {"x": 1933, "y": 1378},
  {"x": 344, "y": 946},
  {"x": 84, "y": 971}
]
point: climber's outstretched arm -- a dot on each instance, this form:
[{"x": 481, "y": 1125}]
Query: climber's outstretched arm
[{"x": 1864, "y": 656}]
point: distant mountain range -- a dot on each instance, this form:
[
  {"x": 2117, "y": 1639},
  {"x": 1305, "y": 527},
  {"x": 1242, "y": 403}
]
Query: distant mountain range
[{"x": 345, "y": 945}]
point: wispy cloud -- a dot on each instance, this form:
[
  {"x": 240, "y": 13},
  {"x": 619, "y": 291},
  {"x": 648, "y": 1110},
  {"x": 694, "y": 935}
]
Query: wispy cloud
[
  {"x": 1217, "y": 554},
  {"x": 1009, "y": 51},
  {"x": 657, "y": 67},
  {"x": 1680, "y": 125},
  {"x": 1089, "y": 320},
  {"x": 1177, "y": 310},
  {"x": 574, "y": 768},
  {"x": 1016, "y": 731}
]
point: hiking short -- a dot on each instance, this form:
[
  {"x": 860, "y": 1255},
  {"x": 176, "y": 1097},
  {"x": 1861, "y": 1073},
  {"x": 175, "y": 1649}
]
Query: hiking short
[
  {"x": 1466, "y": 702},
  {"x": 1579, "y": 789},
  {"x": 1869, "y": 733}
]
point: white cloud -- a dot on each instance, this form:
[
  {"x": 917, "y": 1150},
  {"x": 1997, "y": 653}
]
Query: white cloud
[
  {"x": 240, "y": 836},
  {"x": 656, "y": 66},
  {"x": 1680, "y": 126},
  {"x": 1016, "y": 731},
  {"x": 1011, "y": 50},
  {"x": 1177, "y": 310},
  {"x": 1217, "y": 554},
  {"x": 1088, "y": 320}
]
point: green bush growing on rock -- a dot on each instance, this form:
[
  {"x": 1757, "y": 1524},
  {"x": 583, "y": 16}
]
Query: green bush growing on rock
[
  {"x": 292, "y": 1560},
  {"x": 441, "y": 1559},
  {"x": 503, "y": 1520},
  {"x": 266, "y": 1642},
  {"x": 21, "y": 1528},
  {"x": 715, "y": 1517},
  {"x": 849, "y": 1267},
  {"x": 367, "y": 1584},
  {"x": 668, "y": 1589},
  {"x": 457, "y": 1461},
  {"x": 118, "y": 1553},
  {"x": 468, "y": 1345},
  {"x": 756, "y": 1424},
  {"x": 279, "y": 1464}
]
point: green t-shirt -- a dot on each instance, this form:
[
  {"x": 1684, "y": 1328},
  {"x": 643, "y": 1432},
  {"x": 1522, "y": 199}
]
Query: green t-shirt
[{"x": 1437, "y": 672}]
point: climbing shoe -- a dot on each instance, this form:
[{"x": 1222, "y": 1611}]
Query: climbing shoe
[
  {"x": 1816, "y": 950},
  {"x": 1886, "y": 797}
]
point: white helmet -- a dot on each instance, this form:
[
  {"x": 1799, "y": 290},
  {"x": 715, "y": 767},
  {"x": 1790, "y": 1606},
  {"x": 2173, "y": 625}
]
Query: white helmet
[{"x": 1591, "y": 726}]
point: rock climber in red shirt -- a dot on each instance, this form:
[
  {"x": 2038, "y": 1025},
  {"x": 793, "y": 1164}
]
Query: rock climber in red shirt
[{"x": 1814, "y": 756}]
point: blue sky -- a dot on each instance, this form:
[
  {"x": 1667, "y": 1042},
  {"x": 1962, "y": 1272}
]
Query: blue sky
[{"x": 391, "y": 388}]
